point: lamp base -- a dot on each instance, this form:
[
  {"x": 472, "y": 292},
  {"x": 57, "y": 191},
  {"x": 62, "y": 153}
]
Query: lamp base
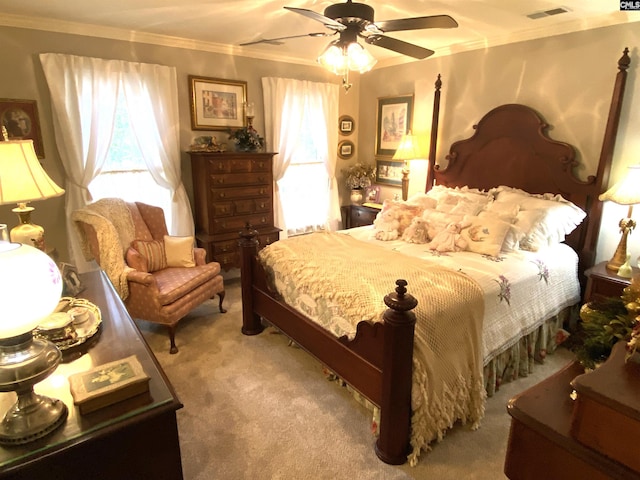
[
  {"x": 620, "y": 255},
  {"x": 25, "y": 361},
  {"x": 26, "y": 232},
  {"x": 32, "y": 417}
]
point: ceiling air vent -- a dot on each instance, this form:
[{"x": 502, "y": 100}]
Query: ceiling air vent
[{"x": 548, "y": 13}]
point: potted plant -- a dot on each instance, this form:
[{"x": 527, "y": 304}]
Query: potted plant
[{"x": 358, "y": 177}]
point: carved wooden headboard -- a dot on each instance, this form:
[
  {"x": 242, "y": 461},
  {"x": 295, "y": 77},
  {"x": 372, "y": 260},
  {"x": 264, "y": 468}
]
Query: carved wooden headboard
[{"x": 510, "y": 146}]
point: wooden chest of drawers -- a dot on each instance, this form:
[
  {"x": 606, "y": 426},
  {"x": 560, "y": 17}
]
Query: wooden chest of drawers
[{"x": 231, "y": 190}]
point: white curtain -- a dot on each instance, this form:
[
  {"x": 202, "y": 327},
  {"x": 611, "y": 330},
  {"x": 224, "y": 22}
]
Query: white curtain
[
  {"x": 84, "y": 92},
  {"x": 284, "y": 103}
]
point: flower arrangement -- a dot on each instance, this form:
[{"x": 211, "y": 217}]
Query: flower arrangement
[
  {"x": 359, "y": 175},
  {"x": 246, "y": 139}
]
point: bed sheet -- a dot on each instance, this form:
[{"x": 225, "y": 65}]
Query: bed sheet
[{"x": 521, "y": 289}]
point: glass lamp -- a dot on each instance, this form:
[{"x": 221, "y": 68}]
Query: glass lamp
[
  {"x": 411, "y": 147},
  {"x": 23, "y": 180},
  {"x": 30, "y": 288},
  {"x": 625, "y": 192}
]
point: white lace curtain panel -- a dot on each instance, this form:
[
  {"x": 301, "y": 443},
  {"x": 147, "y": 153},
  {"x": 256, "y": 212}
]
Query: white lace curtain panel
[
  {"x": 284, "y": 101},
  {"x": 84, "y": 92}
]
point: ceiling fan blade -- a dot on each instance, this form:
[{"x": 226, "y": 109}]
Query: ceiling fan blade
[
  {"x": 399, "y": 46},
  {"x": 328, "y": 22},
  {"x": 416, "y": 23},
  {"x": 278, "y": 40}
]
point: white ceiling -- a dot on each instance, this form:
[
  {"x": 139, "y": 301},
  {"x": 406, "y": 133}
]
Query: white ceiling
[{"x": 221, "y": 25}]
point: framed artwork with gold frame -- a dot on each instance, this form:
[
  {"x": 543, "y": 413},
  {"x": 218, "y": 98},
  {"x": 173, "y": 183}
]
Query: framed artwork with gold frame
[
  {"x": 216, "y": 103},
  {"x": 393, "y": 121}
]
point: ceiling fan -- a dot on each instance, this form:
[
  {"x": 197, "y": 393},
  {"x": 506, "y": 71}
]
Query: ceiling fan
[{"x": 352, "y": 20}]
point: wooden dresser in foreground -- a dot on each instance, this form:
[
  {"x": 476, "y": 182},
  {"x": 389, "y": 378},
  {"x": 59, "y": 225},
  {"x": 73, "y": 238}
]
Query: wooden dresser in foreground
[
  {"x": 231, "y": 190},
  {"x": 136, "y": 438},
  {"x": 593, "y": 437}
]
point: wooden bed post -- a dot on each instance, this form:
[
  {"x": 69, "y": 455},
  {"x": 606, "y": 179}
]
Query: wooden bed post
[
  {"x": 251, "y": 324},
  {"x": 392, "y": 446},
  {"x": 588, "y": 254},
  {"x": 433, "y": 144}
]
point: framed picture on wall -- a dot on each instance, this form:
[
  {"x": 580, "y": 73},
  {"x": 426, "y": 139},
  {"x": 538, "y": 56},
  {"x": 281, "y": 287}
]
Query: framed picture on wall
[
  {"x": 346, "y": 125},
  {"x": 346, "y": 149},
  {"x": 20, "y": 118},
  {"x": 217, "y": 104},
  {"x": 392, "y": 121},
  {"x": 389, "y": 172}
]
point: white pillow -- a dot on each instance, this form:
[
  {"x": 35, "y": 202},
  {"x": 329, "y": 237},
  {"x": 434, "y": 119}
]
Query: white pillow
[
  {"x": 545, "y": 219},
  {"x": 179, "y": 251},
  {"x": 422, "y": 200}
]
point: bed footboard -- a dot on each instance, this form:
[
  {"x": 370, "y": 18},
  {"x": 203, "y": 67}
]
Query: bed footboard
[{"x": 378, "y": 362}]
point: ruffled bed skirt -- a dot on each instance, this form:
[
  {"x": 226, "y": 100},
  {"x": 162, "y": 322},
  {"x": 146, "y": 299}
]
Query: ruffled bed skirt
[{"x": 519, "y": 360}]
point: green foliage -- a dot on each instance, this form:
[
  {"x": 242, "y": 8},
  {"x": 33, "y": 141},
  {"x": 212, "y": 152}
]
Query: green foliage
[{"x": 604, "y": 323}]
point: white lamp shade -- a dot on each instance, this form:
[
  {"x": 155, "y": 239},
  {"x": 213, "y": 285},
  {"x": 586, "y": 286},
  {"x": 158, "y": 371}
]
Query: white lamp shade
[
  {"x": 30, "y": 288},
  {"x": 627, "y": 190},
  {"x": 22, "y": 178}
]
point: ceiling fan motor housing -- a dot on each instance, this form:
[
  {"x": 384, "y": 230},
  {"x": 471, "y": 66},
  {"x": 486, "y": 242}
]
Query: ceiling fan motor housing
[{"x": 350, "y": 12}]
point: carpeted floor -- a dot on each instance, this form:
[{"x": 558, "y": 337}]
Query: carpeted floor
[{"x": 255, "y": 408}]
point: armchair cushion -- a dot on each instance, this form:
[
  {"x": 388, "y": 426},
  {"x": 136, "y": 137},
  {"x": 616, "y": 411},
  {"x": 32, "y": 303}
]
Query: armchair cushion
[
  {"x": 175, "y": 283},
  {"x": 179, "y": 251},
  {"x": 152, "y": 252}
]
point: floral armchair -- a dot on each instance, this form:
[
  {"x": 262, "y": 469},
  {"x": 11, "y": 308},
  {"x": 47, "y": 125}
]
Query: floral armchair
[{"x": 159, "y": 277}]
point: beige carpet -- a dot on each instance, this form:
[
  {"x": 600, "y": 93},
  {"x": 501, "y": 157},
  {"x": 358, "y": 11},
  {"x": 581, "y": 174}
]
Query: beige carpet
[{"x": 255, "y": 408}]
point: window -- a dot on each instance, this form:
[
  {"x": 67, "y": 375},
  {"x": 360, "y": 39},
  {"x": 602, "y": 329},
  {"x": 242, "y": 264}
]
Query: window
[
  {"x": 304, "y": 189},
  {"x": 125, "y": 174}
]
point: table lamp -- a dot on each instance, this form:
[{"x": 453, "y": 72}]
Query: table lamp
[
  {"x": 23, "y": 180},
  {"x": 625, "y": 192},
  {"x": 30, "y": 288},
  {"x": 412, "y": 147}
]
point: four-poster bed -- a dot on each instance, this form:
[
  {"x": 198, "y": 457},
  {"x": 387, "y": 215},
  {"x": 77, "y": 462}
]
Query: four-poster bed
[{"x": 509, "y": 147}]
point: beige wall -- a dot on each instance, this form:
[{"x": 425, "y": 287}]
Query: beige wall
[
  {"x": 567, "y": 78},
  {"x": 21, "y": 77}
]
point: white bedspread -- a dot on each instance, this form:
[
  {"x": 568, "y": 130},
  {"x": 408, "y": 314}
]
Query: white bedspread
[{"x": 522, "y": 289}]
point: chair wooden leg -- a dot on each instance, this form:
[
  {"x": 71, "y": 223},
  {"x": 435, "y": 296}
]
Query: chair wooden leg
[
  {"x": 172, "y": 339},
  {"x": 221, "y": 295}
]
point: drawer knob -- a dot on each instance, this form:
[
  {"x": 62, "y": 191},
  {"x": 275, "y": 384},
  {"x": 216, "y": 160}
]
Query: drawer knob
[{"x": 221, "y": 195}]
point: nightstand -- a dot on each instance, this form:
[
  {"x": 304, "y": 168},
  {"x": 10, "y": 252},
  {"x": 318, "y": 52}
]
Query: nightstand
[
  {"x": 358, "y": 215},
  {"x": 603, "y": 283}
]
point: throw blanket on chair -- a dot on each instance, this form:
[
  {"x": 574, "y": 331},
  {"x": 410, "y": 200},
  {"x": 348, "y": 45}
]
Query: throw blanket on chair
[
  {"x": 111, "y": 219},
  {"x": 339, "y": 281}
]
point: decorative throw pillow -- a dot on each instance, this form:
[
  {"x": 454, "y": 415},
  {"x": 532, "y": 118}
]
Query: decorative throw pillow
[
  {"x": 485, "y": 235},
  {"x": 179, "y": 251},
  {"x": 153, "y": 253},
  {"x": 402, "y": 211}
]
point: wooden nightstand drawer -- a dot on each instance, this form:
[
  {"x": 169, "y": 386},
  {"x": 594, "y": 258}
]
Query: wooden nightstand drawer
[
  {"x": 358, "y": 215},
  {"x": 603, "y": 283}
]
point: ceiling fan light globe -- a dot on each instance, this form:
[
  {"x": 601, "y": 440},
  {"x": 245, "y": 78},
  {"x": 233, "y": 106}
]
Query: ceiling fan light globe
[
  {"x": 359, "y": 59},
  {"x": 333, "y": 59}
]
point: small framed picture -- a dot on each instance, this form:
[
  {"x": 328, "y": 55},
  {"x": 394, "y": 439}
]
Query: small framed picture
[
  {"x": 71, "y": 283},
  {"x": 20, "y": 118},
  {"x": 372, "y": 194},
  {"x": 346, "y": 125},
  {"x": 389, "y": 172},
  {"x": 217, "y": 104},
  {"x": 346, "y": 149}
]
